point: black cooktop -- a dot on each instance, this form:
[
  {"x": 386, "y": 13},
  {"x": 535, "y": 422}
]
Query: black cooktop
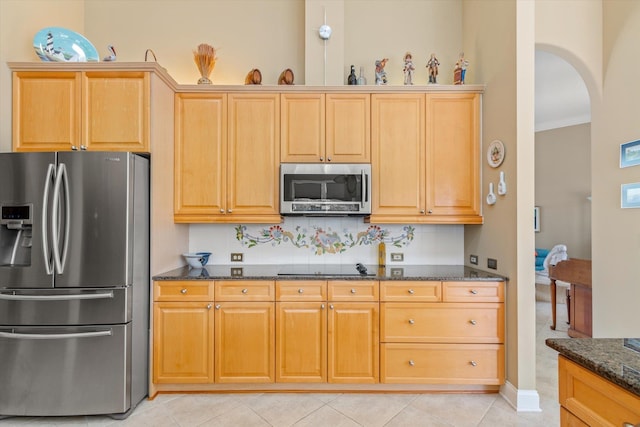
[{"x": 327, "y": 270}]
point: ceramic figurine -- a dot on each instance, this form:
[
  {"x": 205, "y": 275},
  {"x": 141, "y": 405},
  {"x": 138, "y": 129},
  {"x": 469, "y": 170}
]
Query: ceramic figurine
[
  {"x": 112, "y": 54},
  {"x": 381, "y": 74},
  {"x": 432, "y": 66},
  {"x": 254, "y": 77},
  {"x": 460, "y": 70},
  {"x": 408, "y": 68}
]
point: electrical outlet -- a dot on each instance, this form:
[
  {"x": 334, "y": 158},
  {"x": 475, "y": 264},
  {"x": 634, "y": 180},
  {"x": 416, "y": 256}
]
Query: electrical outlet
[
  {"x": 492, "y": 263},
  {"x": 397, "y": 272},
  {"x": 396, "y": 256},
  {"x": 473, "y": 259},
  {"x": 236, "y": 271},
  {"x": 236, "y": 257}
]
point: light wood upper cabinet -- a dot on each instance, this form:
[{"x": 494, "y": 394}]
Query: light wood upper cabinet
[
  {"x": 426, "y": 158},
  {"x": 328, "y": 127},
  {"x": 452, "y": 156},
  {"x": 227, "y": 158},
  {"x": 397, "y": 161},
  {"x": 200, "y": 156},
  {"x": 92, "y": 110}
]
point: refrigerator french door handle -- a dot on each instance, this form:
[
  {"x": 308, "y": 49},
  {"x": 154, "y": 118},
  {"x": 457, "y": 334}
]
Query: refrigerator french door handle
[
  {"x": 61, "y": 179},
  {"x": 16, "y": 335},
  {"x": 13, "y": 297},
  {"x": 45, "y": 217}
]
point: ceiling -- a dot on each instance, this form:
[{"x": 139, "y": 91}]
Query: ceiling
[{"x": 561, "y": 95}]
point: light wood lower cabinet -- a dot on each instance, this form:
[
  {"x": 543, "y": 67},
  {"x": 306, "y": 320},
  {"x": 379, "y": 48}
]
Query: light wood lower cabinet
[
  {"x": 588, "y": 399},
  {"x": 183, "y": 332},
  {"x": 456, "y": 338},
  {"x": 212, "y": 334}
]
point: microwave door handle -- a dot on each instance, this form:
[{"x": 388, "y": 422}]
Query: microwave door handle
[{"x": 45, "y": 219}]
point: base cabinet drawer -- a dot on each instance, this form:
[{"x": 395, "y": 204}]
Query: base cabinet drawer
[
  {"x": 442, "y": 363},
  {"x": 480, "y": 323}
]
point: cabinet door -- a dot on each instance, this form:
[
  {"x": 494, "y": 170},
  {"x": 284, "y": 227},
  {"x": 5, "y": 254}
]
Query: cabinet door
[
  {"x": 200, "y": 157},
  {"x": 253, "y": 158},
  {"x": 301, "y": 342},
  {"x": 348, "y": 130},
  {"x": 302, "y": 127},
  {"x": 244, "y": 342},
  {"x": 397, "y": 160},
  {"x": 452, "y": 155},
  {"x": 182, "y": 342},
  {"x": 116, "y": 111},
  {"x": 46, "y": 111},
  {"x": 353, "y": 342}
]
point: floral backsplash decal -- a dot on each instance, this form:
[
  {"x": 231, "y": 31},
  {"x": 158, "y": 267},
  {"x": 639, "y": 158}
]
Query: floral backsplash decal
[{"x": 323, "y": 241}]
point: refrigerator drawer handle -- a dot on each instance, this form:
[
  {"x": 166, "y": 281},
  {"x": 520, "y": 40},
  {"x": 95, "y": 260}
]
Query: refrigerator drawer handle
[
  {"x": 55, "y": 297},
  {"x": 13, "y": 335}
]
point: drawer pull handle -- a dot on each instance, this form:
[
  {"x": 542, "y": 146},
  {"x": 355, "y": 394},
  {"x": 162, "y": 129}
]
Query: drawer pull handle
[
  {"x": 473, "y": 322},
  {"x": 183, "y": 291},
  {"x": 301, "y": 291},
  {"x": 412, "y": 363},
  {"x": 411, "y": 321},
  {"x": 208, "y": 306},
  {"x": 411, "y": 291},
  {"x": 245, "y": 290},
  {"x": 353, "y": 291},
  {"x": 473, "y": 291},
  {"x": 473, "y": 363},
  {"x": 628, "y": 424},
  {"x": 217, "y": 306}
]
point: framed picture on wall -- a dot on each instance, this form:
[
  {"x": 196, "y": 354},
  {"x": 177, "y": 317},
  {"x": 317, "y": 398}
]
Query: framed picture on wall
[
  {"x": 630, "y": 195},
  {"x": 630, "y": 154},
  {"x": 536, "y": 219}
]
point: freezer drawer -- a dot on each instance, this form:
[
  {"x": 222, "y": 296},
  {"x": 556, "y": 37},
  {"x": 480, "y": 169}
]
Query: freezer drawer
[
  {"x": 64, "y": 371},
  {"x": 45, "y": 307}
]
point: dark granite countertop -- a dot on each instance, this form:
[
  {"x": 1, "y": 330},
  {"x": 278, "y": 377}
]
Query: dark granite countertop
[
  {"x": 273, "y": 272},
  {"x": 615, "y": 359}
]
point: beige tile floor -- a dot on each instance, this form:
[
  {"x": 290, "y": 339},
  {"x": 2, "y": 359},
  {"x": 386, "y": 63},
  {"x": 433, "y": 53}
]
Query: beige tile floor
[{"x": 338, "y": 410}]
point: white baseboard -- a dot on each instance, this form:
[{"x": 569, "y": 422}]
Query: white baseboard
[{"x": 521, "y": 400}]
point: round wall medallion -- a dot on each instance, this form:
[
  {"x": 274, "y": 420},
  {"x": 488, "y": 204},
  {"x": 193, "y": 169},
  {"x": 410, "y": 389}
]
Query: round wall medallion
[{"x": 495, "y": 153}]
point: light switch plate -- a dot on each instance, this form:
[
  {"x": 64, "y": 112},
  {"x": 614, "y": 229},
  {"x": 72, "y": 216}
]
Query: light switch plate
[{"x": 473, "y": 259}]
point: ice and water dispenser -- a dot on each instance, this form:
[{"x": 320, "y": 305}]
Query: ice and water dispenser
[{"x": 15, "y": 234}]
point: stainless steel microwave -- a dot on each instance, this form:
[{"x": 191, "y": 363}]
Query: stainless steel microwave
[{"x": 325, "y": 189}]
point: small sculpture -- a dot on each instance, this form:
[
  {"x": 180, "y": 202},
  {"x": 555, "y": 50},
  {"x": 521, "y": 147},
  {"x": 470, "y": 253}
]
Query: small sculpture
[
  {"x": 460, "y": 70},
  {"x": 381, "y": 74},
  {"x": 205, "y": 59},
  {"x": 286, "y": 77},
  {"x": 432, "y": 66},
  {"x": 112, "y": 54},
  {"x": 254, "y": 77},
  {"x": 408, "y": 68}
]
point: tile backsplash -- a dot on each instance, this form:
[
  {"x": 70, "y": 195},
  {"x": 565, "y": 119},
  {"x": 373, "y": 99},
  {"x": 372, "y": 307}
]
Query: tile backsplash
[{"x": 328, "y": 240}]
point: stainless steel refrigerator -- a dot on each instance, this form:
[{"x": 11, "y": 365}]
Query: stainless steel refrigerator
[{"x": 74, "y": 283}]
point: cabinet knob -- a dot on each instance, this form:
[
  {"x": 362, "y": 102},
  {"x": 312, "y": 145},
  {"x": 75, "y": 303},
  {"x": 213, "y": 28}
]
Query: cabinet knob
[
  {"x": 473, "y": 322},
  {"x": 411, "y": 291},
  {"x": 473, "y": 291},
  {"x": 628, "y": 424},
  {"x": 412, "y": 363},
  {"x": 322, "y": 306},
  {"x": 245, "y": 290},
  {"x": 230, "y": 210},
  {"x": 430, "y": 211},
  {"x": 83, "y": 147},
  {"x": 183, "y": 291},
  {"x": 221, "y": 210},
  {"x": 301, "y": 291},
  {"x": 411, "y": 321},
  {"x": 331, "y": 306},
  {"x": 353, "y": 291},
  {"x": 217, "y": 306},
  {"x": 422, "y": 211},
  {"x": 328, "y": 159},
  {"x": 208, "y": 306},
  {"x": 74, "y": 148},
  {"x": 473, "y": 363},
  {"x": 321, "y": 159}
]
